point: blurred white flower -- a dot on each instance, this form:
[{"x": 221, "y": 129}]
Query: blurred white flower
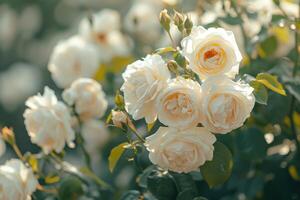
[
  {"x": 143, "y": 80},
  {"x": 8, "y": 26},
  {"x": 72, "y": 59},
  {"x": 17, "y": 182},
  {"x": 142, "y": 21},
  {"x": 88, "y": 98},
  {"x": 30, "y": 21},
  {"x": 225, "y": 104},
  {"x": 211, "y": 52},
  {"x": 17, "y": 83},
  {"x": 48, "y": 122},
  {"x": 2, "y": 146},
  {"x": 95, "y": 135},
  {"x": 180, "y": 151},
  {"x": 103, "y": 29},
  {"x": 177, "y": 105}
]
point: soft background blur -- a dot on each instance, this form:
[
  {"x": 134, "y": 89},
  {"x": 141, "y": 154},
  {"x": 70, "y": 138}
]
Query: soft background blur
[{"x": 263, "y": 154}]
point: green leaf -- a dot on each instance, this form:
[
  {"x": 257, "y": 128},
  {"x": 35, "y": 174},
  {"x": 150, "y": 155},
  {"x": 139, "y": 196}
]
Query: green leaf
[
  {"x": 70, "y": 189},
  {"x": 271, "y": 82},
  {"x": 115, "y": 155},
  {"x": 161, "y": 185},
  {"x": 217, "y": 171},
  {"x": 50, "y": 179},
  {"x": 268, "y": 46},
  {"x": 200, "y": 198},
  {"x": 150, "y": 126},
  {"x": 180, "y": 59},
  {"x": 260, "y": 92},
  {"x": 186, "y": 194}
]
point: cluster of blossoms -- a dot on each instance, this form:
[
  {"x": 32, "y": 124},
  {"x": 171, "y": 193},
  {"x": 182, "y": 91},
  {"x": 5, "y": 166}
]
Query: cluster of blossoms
[
  {"x": 181, "y": 103},
  {"x": 50, "y": 124}
]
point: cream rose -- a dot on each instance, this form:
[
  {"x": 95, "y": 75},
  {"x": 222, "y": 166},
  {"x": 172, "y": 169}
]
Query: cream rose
[
  {"x": 95, "y": 135},
  {"x": 180, "y": 150},
  {"x": 177, "y": 105},
  {"x": 212, "y": 51},
  {"x": 226, "y": 104},
  {"x": 48, "y": 122},
  {"x": 17, "y": 182},
  {"x": 88, "y": 98},
  {"x": 72, "y": 59},
  {"x": 143, "y": 80},
  {"x": 103, "y": 29}
]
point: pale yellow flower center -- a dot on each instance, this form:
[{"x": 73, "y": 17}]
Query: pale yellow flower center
[
  {"x": 223, "y": 108},
  {"x": 211, "y": 58},
  {"x": 178, "y": 104}
]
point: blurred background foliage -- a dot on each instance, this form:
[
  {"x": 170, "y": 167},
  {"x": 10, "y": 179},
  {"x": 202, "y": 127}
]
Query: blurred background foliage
[{"x": 265, "y": 154}]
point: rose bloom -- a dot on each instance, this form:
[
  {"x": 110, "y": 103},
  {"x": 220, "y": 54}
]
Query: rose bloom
[
  {"x": 48, "y": 122},
  {"x": 141, "y": 20},
  {"x": 72, "y": 59},
  {"x": 17, "y": 182},
  {"x": 88, "y": 98},
  {"x": 177, "y": 105},
  {"x": 95, "y": 135},
  {"x": 103, "y": 30},
  {"x": 226, "y": 104},
  {"x": 143, "y": 80},
  {"x": 180, "y": 150},
  {"x": 212, "y": 51}
]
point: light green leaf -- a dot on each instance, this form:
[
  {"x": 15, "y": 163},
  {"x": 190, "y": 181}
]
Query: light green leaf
[
  {"x": 50, "y": 179},
  {"x": 271, "y": 82},
  {"x": 260, "y": 92},
  {"x": 165, "y": 50},
  {"x": 115, "y": 155},
  {"x": 217, "y": 171}
]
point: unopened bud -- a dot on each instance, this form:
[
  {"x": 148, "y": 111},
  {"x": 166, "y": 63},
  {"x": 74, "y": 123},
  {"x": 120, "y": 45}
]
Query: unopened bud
[
  {"x": 172, "y": 66},
  {"x": 119, "y": 118},
  {"x": 165, "y": 19},
  {"x": 188, "y": 25},
  {"x": 119, "y": 100},
  {"x": 8, "y": 135},
  {"x": 178, "y": 20}
]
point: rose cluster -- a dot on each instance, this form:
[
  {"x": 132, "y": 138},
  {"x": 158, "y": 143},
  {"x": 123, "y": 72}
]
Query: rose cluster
[{"x": 192, "y": 111}]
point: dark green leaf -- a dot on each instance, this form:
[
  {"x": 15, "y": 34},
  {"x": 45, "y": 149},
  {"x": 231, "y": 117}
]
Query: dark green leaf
[
  {"x": 186, "y": 194},
  {"x": 131, "y": 195},
  {"x": 70, "y": 189},
  {"x": 217, "y": 171},
  {"x": 231, "y": 20},
  {"x": 161, "y": 185}
]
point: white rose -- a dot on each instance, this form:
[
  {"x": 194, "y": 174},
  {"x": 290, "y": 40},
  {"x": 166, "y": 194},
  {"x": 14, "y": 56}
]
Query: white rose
[
  {"x": 103, "y": 29},
  {"x": 212, "y": 51},
  {"x": 48, "y": 122},
  {"x": 226, "y": 104},
  {"x": 95, "y": 135},
  {"x": 180, "y": 150},
  {"x": 72, "y": 59},
  {"x": 177, "y": 105},
  {"x": 17, "y": 182},
  {"x": 141, "y": 20},
  {"x": 143, "y": 80},
  {"x": 88, "y": 98},
  {"x": 119, "y": 118}
]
